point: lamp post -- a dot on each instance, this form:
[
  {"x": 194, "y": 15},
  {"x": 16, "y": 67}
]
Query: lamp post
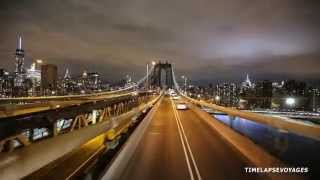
[
  {"x": 314, "y": 108},
  {"x": 38, "y": 63},
  {"x": 217, "y": 99},
  {"x": 185, "y": 83},
  {"x": 153, "y": 63},
  {"x": 290, "y": 102},
  {"x": 147, "y": 76}
]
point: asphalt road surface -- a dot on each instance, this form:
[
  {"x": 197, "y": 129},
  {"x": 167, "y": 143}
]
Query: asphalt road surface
[{"x": 179, "y": 145}]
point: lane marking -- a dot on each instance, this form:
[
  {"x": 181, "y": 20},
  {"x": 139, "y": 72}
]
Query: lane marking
[
  {"x": 186, "y": 140},
  {"x": 85, "y": 162},
  {"x": 121, "y": 162},
  {"x": 183, "y": 147}
]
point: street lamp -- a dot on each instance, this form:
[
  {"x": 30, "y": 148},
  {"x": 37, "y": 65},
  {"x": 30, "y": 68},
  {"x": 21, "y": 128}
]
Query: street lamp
[
  {"x": 153, "y": 63},
  {"x": 217, "y": 98},
  {"x": 314, "y": 107},
  {"x": 290, "y": 101},
  {"x": 185, "y": 83},
  {"x": 39, "y": 61}
]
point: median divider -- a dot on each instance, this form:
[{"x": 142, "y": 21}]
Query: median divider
[{"x": 119, "y": 163}]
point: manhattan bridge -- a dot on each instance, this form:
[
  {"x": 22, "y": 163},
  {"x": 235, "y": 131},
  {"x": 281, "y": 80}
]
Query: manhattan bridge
[{"x": 138, "y": 132}]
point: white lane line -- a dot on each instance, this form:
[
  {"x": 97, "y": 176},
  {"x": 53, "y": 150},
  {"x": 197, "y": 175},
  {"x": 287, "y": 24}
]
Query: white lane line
[
  {"x": 188, "y": 145},
  {"x": 183, "y": 146},
  {"x": 84, "y": 163},
  {"x": 118, "y": 166}
]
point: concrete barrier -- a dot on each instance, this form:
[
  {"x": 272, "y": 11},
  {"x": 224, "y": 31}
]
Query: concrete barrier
[
  {"x": 119, "y": 163},
  {"x": 255, "y": 155},
  {"x": 296, "y": 127}
]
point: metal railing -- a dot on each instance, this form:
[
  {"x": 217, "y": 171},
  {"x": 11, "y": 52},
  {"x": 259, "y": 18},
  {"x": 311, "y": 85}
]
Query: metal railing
[
  {"x": 22, "y": 162},
  {"x": 296, "y": 127}
]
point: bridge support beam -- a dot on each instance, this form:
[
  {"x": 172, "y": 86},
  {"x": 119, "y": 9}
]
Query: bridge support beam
[
  {"x": 48, "y": 124},
  {"x": 8, "y": 144},
  {"x": 79, "y": 122}
]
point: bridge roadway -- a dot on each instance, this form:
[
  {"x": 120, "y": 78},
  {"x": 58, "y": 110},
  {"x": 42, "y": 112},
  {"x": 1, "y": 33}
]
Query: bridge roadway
[{"x": 178, "y": 144}]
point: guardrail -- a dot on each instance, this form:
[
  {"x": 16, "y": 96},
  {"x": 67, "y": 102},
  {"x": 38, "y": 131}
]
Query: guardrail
[
  {"x": 24, "y": 161},
  {"x": 12, "y": 109},
  {"x": 65, "y": 97},
  {"x": 296, "y": 127}
]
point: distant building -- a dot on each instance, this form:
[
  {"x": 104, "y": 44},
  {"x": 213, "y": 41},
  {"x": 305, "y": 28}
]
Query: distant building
[
  {"x": 49, "y": 78},
  {"x": 94, "y": 82},
  {"x": 68, "y": 84},
  {"x": 247, "y": 83},
  {"x": 67, "y": 74},
  {"x": 295, "y": 88},
  {"x": 263, "y": 94},
  {"x": 34, "y": 75},
  {"x": 227, "y": 94},
  {"x": 20, "y": 73},
  {"x": 6, "y": 83},
  {"x": 19, "y": 76},
  {"x": 89, "y": 82}
]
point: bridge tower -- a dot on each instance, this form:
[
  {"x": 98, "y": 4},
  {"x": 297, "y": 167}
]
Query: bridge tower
[{"x": 162, "y": 75}]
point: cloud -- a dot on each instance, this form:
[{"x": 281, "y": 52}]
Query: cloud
[{"x": 203, "y": 38}]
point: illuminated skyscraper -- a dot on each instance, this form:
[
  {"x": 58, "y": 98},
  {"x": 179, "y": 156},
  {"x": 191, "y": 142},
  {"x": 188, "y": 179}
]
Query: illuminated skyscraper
[
  {"x": 67, "y": 83},
  {"x": 247, "y": 83},
  {"x": 19, "y": 71},
  {"x": 19, "y": 57},
  {"x": 34, "y": 75},
  {"x": 67, "y": 74},
  {"x": 228, "y": 94},
  {"x": 49, "y": 78}
]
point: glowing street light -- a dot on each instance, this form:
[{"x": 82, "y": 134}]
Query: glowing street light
[
  {"x": 217, "y": 98},
  {"x": 153, "y": 63},
  {"x": 39, "y": 61},
  {"x": 135, "y": 93},
  {"x": 290, "y": 101},
  {"x": 185, "y": 83}
]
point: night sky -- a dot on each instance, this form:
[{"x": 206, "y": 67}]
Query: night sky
[{"x": 207, "y": 40}]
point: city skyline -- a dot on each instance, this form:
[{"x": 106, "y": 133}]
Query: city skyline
[
  {"x": 62, "y": 72},
  {"x": 216, "y": 44},
  {"x": 169, "y": 89}
]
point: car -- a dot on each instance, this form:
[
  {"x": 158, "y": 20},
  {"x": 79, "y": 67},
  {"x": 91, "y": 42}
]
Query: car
[
  {"x": 181, "y": 106},
  {"x": 176, "y": 97},
  {"x": 173, "y": 94}
]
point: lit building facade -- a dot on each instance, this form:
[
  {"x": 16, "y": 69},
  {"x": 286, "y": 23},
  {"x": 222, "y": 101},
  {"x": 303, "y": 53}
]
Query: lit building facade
[
  {"x": 6, "y": 83},
  {"x": 20, "y": 73},
  {"x": 49, "y": 79},
  {"x": 34, "y": 75},
  {"x": 227, "y": 94}
]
